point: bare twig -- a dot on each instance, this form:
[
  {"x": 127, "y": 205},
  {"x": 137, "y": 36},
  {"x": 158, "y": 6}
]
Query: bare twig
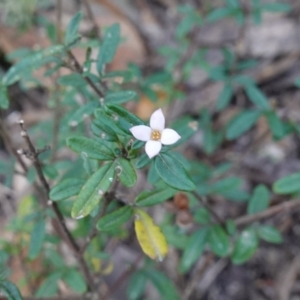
[{"x": 286, "y": 207}]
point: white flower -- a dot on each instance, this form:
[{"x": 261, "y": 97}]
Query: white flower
[{"x": 156, "y": 135}]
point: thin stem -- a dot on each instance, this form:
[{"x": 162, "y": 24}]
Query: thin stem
[
  {"x": 202, "y": 200},
  {"x": 286, "y": 206},
  {"x": 61, "y": 221},
  {"x": 79, "y": 70},
  {"x": 92, "y": 18}
]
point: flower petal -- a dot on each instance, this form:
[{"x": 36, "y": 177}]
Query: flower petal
[
  {"x": 157, "y": 120},
  {"x": 152, "y": 148},
  {"x": 141, "y": 132},
  {"x": 169, "y": 136}
]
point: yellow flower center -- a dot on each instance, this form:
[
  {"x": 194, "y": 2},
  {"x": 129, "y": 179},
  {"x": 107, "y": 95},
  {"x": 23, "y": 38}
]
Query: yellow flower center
[{"x": 155, "y": 135}]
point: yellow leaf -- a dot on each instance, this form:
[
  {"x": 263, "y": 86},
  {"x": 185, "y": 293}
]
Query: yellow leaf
[{"x": 150, "y": 237}]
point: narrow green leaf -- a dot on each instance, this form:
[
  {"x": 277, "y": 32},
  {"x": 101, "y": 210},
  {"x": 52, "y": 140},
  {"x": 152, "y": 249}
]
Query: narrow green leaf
[
  {"x": 109, "y": 47},
  {"x": 287, "y": 185},
  {"x": 49, "y": 285},
  {"x": 75, "y": 80},
  {"x": 37, "y": 238},
  {"x": 163, "y": 284},
  {"x": 259, "y": 200},
  {"x": 121, "y": 114},
  {"x": 201, "y": 215},
  {"x": 127, "y": 174},
  {"x": 276, "y": 7},
  {"x": 75, "y": 281},
  {"x": 245, "y": 246},
  {"x": 136, "y": 285},
  {"x": 93, "y": 191},
  {"x": 225, "y": 185},
  {"x": 29, "y": 63},
  {"x": 66, "y": 188},
  {"x": 224, "y": 97},
  {"x": 4, "y": 102},
  {"x": 270, "y": 234},
  {"x": 257, "y": 97},
  {"x": 275, "y": 124},
  {"x": 218, "y": 240},
  {"x": 93, "y": 149},
  {"x": 119, "y": 97},
  {"x": 71, "y": 32},
  {"x": 115, "y": 219},
  {"x": 10, "y": 290},
  {"x": 233, "y": 3},
  {"x": 241, "y": 123},
  {"x": 193, "y": 250},
  {"x": 142, "y": 161},
  {"x": 219, "y": 14},
  {"x": 173, "y": 173},
  {"x": 106, "y": 125},
  {"x": 149, "y": 198}
]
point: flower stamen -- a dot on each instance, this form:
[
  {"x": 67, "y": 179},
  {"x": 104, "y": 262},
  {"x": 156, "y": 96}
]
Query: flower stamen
[{"x": 155, "y": 135}]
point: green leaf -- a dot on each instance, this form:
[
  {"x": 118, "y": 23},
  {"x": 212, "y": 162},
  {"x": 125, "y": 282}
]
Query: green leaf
[
  {"x": 149, "y": 198},
  {"x": 29, "y": 63},
  {"x": 225, "y": 185},
  {"x": 93, "y": 191},
  {"x": 153, "y": 176},
  {"x": 219, "y": 14},
  {"x": 37, "y": 238},
  {"x": 275, "y": 124},
  {"x": 10, "y": 290},
  {"x": 115, "y": 219},
  {"x": 230, "y": 227},
  {"x": 193, "y": 250},
  {"x": 287, "y": 185},
  {"x": 109, "y": 47},
  {"x": 257, "y": 97},
  {"x": 241, "y": 123},
  {"x": 201, "y": 216},
  {"x": 49, "y": 286},
  {"x": 245, "y": 246},
  {"x": 259, "y": 200},
  {"x": 119, "y": 97},
  {"x": 173, "y": 173},
  {"x": 218, "y": 240},
  {"x": 276, "y": 7},
  {"x": 142, "y": 161},
  {"x": 184, "y": 27},
  {"x": 127, "y": 174},
  {"x": 124, "y": 114},
  {"x": 4, "y": 102},
  {"x": 233, "y": 3},
  {"x": 224, "y": 97},
  {"x": 106, "y": 125},
  {"x": 66, "y": 188},
  {"x": 164, "y": 285},
  {"x": 136, "y": 285},
  {"x": 93, "y": 149},
  {"x": 270, "y": 234},
  {"x": 74, "y": 80},
  {"x": 71, "y": 32},
  {"x": 75, "y": 281}
]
